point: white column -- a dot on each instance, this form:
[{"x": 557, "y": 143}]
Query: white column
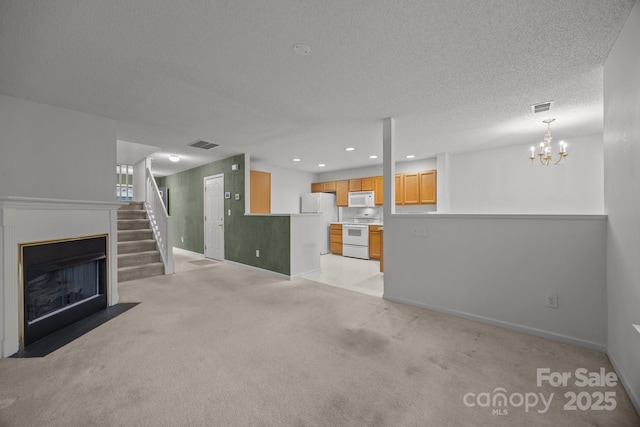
[
  {"x": 389, "y": 166},
  {"x": 112, "y": 275},
  {"x": 10, "y": 299},
  {"x": 442, "y": 191},
  {"x": 139, "y": 181}
]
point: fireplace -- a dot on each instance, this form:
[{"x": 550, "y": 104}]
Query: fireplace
[{"x": 62, "y": 281}]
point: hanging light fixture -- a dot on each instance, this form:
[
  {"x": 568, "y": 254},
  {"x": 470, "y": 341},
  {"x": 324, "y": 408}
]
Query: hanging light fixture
[{"x": 545, "y": 158}]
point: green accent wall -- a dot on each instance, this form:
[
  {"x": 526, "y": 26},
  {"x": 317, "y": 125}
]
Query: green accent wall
[{"x": 243, "y": 234}]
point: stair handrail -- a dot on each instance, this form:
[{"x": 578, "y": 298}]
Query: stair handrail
[{"x": 161, "y": 222}]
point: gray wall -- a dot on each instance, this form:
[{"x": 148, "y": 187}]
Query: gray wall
[
  {"x": 622, "y": 199},
  {"x": 497, "y": 269},
  {"x": 55, "y": 153}
]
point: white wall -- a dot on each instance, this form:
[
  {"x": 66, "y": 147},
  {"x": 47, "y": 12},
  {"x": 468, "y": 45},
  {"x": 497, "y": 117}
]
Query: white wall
[
  {"x": 362, "y": 172},
  {"x": 504, "y": 181},
  {"x": 286, "y": 186},
  {"x": 622, "y": 197},
  {"x": 46, "y": 153},
  {"x": 497, "y": 269},
  {"x": 401, "y": 167},
  {"x": 416, "y": 165},
  {"x": 52, "y": 152}
]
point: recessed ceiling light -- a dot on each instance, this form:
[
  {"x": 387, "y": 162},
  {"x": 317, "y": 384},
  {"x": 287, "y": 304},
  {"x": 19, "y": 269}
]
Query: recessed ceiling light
[
  {"x": 301, "y": 49},
  {"x": 349, "y": 149},
  {"x": 296, "y": 160},
  {"x": 174, "y": 158},
  {"x": 321, "y": 165},
  {"x": 410, "y": 156},
  {"x": 373, "y": 157}
]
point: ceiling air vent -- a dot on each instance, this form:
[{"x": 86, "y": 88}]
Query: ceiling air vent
[
  {"x": 539, "y": 108},
  {"x": 203, "y": 144}
]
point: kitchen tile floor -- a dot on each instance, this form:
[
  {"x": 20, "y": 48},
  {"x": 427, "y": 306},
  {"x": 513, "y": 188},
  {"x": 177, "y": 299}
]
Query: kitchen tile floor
[{"x": 354, "y": 274}]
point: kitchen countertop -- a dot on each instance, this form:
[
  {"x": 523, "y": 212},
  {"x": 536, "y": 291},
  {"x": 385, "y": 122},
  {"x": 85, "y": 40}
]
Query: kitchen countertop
[{"x": 359, "y": 223}]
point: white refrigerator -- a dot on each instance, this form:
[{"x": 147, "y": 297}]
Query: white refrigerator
[{"x": 323, "y": 204}]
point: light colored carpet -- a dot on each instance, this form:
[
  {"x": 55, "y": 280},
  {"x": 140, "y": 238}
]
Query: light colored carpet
[{"x": 226, "y": 346}]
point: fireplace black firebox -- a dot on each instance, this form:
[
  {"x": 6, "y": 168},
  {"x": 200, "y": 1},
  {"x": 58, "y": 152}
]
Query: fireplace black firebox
[{"x": 62, "y": 282}]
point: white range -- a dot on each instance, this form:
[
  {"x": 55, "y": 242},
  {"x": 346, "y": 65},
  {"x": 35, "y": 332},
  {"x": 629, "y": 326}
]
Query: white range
[{"x": 355, "y": 237}]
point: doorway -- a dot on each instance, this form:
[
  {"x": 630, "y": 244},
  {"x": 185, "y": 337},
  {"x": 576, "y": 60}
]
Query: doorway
[{"x": 214, "y": 217}]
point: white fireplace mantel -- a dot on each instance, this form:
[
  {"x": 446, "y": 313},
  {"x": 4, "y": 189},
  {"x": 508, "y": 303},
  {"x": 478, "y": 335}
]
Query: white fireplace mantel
[{"x": 25, "y": 220}]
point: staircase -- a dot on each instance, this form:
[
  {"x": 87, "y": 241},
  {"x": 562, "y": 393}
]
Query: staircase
[{"x": 138, "y": 256}]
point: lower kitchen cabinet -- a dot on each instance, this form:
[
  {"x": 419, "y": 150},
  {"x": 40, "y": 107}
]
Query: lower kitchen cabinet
[
  {"x": 336, "y": 238},
  {"x": 375, "y": 241}
]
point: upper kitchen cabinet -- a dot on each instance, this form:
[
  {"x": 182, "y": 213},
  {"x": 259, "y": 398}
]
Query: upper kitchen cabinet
[
  {"x": 323, "y": 187},
  {"x": 342, "y": 193},
  {"x": 329, "y": 187},
  {"x": 367, "y": 184},
  {"x": 399, "y": 189},
  {"x": 355, "y": 184},
  {"x": 411, "y": 189},
  {"x": 428, "y": 187},
  {"x": 417, "y": 188},
  {"x": 260, "y": 183},
  {"x": 378, "y": 187}
]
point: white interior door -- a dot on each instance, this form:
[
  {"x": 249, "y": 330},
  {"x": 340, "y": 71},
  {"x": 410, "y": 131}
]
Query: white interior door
[{"x": 214, "y": 217}]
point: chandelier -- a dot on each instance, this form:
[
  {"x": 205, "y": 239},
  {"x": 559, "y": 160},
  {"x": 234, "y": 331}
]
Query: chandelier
[{"x": 545, "y": 158}]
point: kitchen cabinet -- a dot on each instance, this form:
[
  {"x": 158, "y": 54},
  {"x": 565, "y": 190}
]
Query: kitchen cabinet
[
  {"x": 336, "y": 238},
  {"x": 375, "y": 241},
  {"x": 260, "y": 183},
  {"x": 367, "y": 184},
  {"x": 381, "y": 250},
  {"x": 378, "y": 187},
  {"x": 329, "y": 187},
  {"x": 342, "y": 193},
  {"x": 418, "y": 188},
  {"x": 411, "y": 189},
  {"x": 323, "y": 187},
  {"x": 428, "y": 187},
  {"x": 399, "y": 189}
]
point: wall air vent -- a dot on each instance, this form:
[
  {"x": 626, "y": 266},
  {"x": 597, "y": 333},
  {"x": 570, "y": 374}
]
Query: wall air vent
[
  {"x": 203, "y": 144},
  {"x": 539, "y": 108}
]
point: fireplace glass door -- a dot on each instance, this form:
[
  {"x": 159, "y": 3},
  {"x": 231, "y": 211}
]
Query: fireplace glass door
[
  {"x": 63, "y": 282},
  {"x": 59, "y": 288}
]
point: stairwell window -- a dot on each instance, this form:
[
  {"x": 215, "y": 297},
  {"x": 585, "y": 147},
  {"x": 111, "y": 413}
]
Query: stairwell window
[{"x": 124, "y": 193}]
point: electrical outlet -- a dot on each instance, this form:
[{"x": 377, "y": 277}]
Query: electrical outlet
[
  {"x": 182, "y": 239},
  {"x": 551, "y": 300},
  {"x": 257, "y": 253},
  {"x": 229, "y": 212},
  {"x": 419, "y": 232}
]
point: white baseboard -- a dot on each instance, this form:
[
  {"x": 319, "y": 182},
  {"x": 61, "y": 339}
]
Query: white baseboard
[
  {"x": 602, "y": 348},
  {"x": 188, "y": 253},
  {"x": 621, "y": 376}
]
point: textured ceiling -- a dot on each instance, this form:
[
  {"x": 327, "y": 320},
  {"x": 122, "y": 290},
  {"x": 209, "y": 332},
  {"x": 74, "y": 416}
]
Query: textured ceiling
[{"x": 457, "y": 75}]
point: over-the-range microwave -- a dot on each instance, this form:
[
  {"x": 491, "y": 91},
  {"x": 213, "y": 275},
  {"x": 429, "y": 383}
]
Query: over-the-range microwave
[{"x": 361, "y": 199}]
